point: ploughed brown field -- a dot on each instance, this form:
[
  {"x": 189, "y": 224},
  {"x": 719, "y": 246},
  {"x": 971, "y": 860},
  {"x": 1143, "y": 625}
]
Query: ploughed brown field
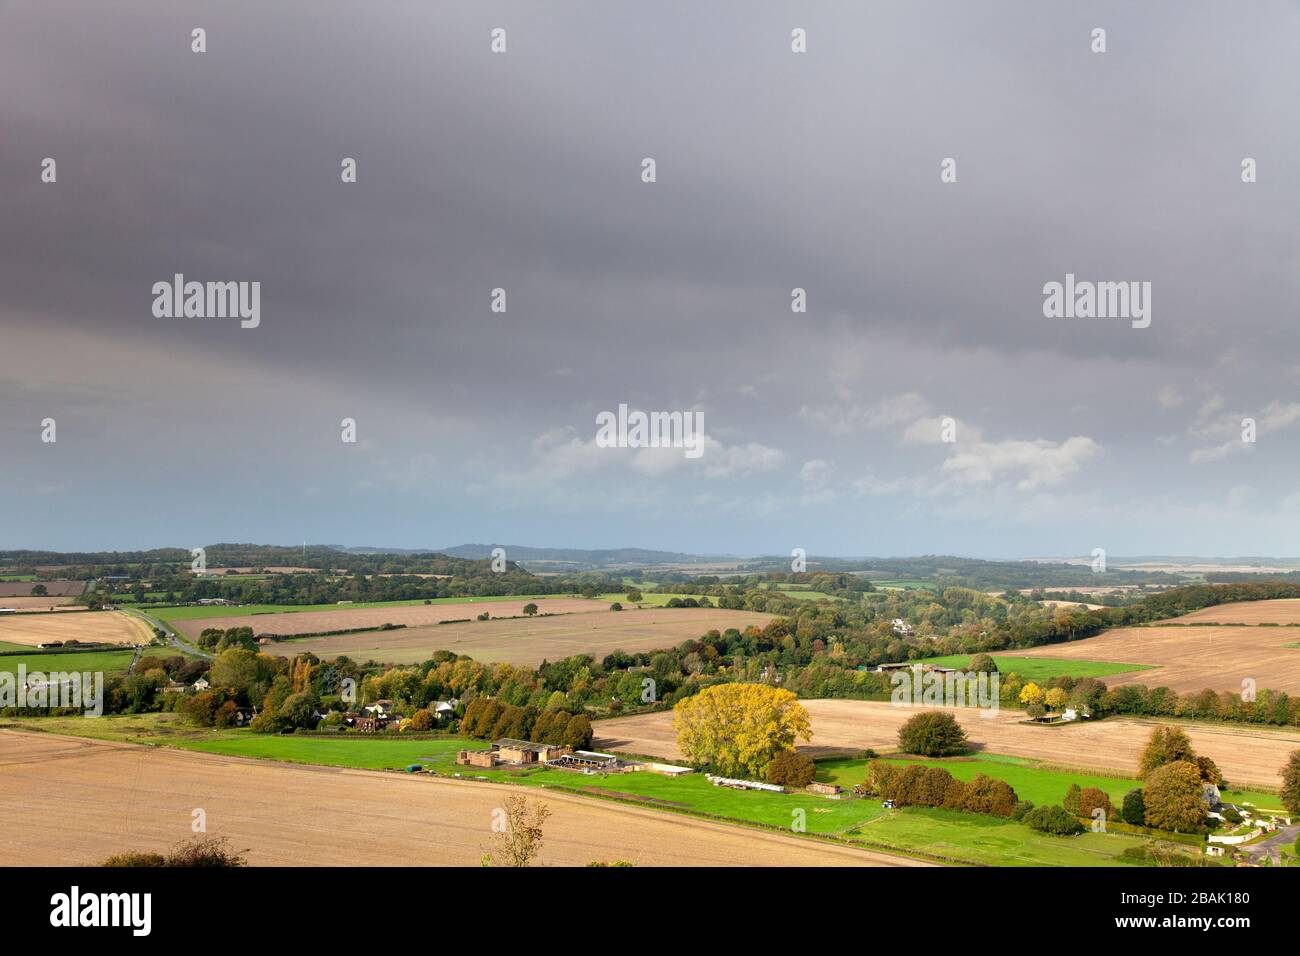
[
  {"x": 40, "y": 603},
  {"x": 1280, "y": 611},
  {"x": 1190, "y": 659},
  {"x": 412, "y": 615},
  {"x": 52, "y": 588},
  {"x": 105, "y": 627},
  {"x": 529, "y": 641},
  {"x": 1247, "y": 755},
  {"x": 65, "y": 801}
]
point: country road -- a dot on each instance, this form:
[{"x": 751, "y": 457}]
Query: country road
[{"x": 172, "y": 636}]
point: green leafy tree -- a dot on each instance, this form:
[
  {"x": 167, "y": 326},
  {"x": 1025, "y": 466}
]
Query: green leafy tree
[
  {"x": 932, "y": 734},
  {"x": 789, "y": 768},
  {"x": 1290, "y": 792},
  {"x": 1166, "y": 745},
  {"x": 530, "y": 609},
  {"x": 1134, "y": 808},
  {"x": 1173, "y": 797}
]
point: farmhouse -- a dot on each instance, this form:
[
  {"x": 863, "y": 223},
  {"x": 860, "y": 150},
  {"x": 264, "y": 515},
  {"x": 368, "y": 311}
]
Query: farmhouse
[
  {"x": 901, "y": 627},
  {"x": 829, "y": 789},
  {"x": 201, "y": 684}
]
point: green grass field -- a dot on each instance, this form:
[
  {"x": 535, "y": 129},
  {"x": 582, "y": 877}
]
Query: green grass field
[
  {"x": 1027, "y": 777},
  {"x": 107, "y": 662},
  {"x": 1040, "y": 668},
  {"x": 17, "y": 577},
  {"x": 992, "y": 841},
  {"x": 380, "y": 753}
]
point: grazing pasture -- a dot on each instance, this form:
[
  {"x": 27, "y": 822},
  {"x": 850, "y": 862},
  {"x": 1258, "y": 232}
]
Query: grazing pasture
[
  {"x": 106, "y": 627},
  {"x": 1190, "y": 659},
  {"x": 530, "y": 640},
  {"x": 409, "y": 613},
  {"x": 1248, "y": 756},
  {"x": 103, "y": 798},
  {"x": 109, "y": 663},
  {"x": 1038, "y": 668}
]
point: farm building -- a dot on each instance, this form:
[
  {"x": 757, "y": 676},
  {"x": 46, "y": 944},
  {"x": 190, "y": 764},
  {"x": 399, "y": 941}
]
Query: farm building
[
  {"x": 587, "y": 760},
  {"x": 829, "y": 789},
  {"x": 511, "y": 751},
  {"x": 486, "y": 759}
]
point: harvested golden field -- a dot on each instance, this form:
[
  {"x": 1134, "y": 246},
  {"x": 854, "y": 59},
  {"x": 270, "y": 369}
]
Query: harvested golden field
[
  {"x": 530, "y": 641},
  {"x": 1280, "y": 611},
  {"x": 1247, "y": 755},
  {"x": 1191, "y": 658},
  {"x": 67, "y": 801},
  {"x": 336, "y": 618},
  {"x": 40, "y": 603},
  {"x": 106, "y": 627},
  {"x": 52, "y": 588}
]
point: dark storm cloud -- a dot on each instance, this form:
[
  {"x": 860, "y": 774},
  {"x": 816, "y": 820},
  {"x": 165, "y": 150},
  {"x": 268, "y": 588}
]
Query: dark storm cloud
[{"x": 775, "y": 171}]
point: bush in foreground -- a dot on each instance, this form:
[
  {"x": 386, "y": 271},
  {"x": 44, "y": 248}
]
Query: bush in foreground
[{"x": 200, "y": 852}]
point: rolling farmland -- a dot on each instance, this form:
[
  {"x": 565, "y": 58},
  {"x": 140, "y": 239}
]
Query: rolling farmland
[
  {"x": 103, "y": 798},
  {"x": 411, "y": 614},
  {"x": 530, "y": 640},
  {"x": 1247, "y": 756},
  {"x": 1190, "y": 659}
]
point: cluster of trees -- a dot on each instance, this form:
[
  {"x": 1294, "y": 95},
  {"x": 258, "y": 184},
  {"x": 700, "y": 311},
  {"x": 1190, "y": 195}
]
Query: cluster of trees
[
  {"x": 789, "y": 768},
  {"x": 490, "y": 719},
  {"x": 910, "y": 784},
  {"x": 220, "y": 639}
]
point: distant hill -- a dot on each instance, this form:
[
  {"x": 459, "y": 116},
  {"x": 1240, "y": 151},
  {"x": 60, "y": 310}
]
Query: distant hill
[{"x": 585, "y": 558}]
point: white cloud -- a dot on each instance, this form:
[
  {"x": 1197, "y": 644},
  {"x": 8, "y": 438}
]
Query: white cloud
[
  {"x": 844, "y": 418},
  {"x": 1030, "y": 465}
]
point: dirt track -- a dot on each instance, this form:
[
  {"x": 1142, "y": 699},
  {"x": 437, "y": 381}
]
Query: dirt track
[
  {"x": 1246, "y": 755},
  {"x": 530, "y": 641},
  {"x": 69, "y": 801}
]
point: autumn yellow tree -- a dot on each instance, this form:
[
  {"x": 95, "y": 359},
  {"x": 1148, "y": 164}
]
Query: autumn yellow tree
[
  {"x": 739, "y": 728},
  {"x": 1031, "y": 693},
  {"x": 1056, "y": 698}
]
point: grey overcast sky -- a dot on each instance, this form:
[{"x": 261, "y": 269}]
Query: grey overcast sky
[{"x": 775, "y": 170}]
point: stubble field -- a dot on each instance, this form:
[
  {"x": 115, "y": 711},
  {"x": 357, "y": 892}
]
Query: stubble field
[
  {"x": 106, "y": 627},
  {"x": 412, "y": 615},
  {"x": 1190, "y": 659},
  {"x": 529, "y": 641}
]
